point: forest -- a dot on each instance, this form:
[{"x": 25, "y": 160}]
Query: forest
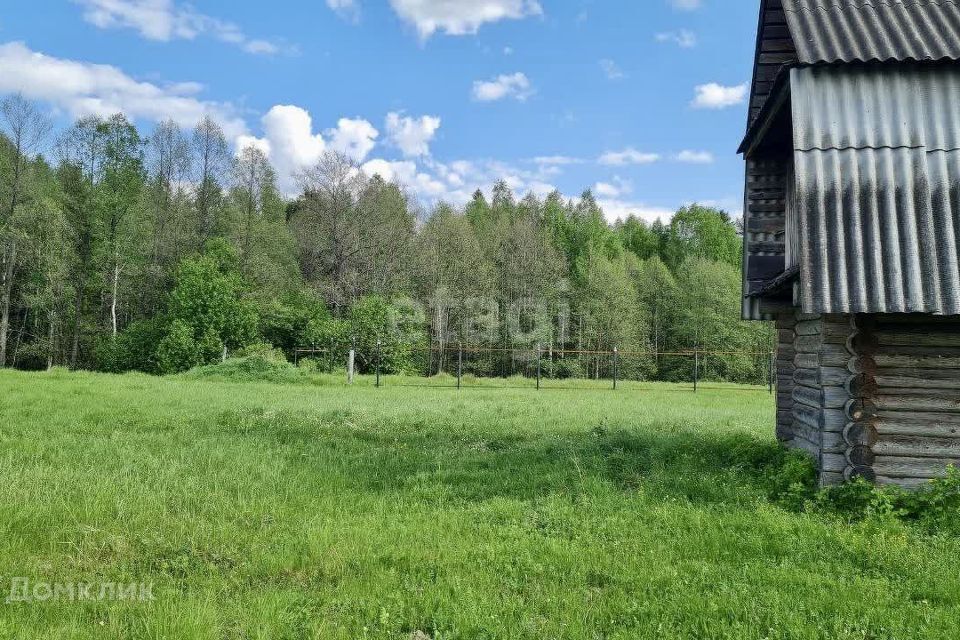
[{"x": 161, "y": 251}]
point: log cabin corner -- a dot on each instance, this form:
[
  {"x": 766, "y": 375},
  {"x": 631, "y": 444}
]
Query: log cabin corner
[{"x": 852, "y": 229}]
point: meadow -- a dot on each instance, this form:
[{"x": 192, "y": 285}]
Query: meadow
[{"x": 309, "y": 509}]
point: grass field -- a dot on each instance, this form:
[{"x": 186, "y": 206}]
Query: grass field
[{"x": 319, "y": 511}]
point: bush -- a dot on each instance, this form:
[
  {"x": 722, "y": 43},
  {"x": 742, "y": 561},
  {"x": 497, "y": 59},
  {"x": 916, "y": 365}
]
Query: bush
[
  {"x": 134, "y": 348},
  {"x": 253, "y": 368}
]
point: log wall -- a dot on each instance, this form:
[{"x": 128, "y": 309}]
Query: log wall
[{"x": 873, "y": 396}]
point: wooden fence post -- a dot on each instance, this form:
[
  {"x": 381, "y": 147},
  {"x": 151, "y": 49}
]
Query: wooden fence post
[
  {"x": 351, "y": 358},
  {"x": 539, "y": 353},
  {"x": 616, "y": 367},
  {"x": 696, "y": 369}
]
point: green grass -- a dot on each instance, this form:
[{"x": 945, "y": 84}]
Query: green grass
[{"x": 313, "y": 510}]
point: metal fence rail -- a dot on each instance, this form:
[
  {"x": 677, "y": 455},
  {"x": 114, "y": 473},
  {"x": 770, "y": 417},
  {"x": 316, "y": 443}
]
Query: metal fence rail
[{"x": 458, "y": 366}]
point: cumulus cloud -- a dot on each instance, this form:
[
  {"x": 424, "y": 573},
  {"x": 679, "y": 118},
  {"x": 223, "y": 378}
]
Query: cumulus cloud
[
  {"x": 412, "y": 135},
  {"x": 627, "y": 156},
  {"x": 83, "y": 88},
  {"x": 355, "y": 138},
  {"x": 612, "y": 70},
  {"x": 291, "y": 144},
  {"x": 683, "y": 38},
  {"x": 461, "y": 17},
  {"x": 516, "y": 86},
  {"x": 164, "y": 20},
  {"x": 718, "y": 96},
  {"x": 695, "y": 157},
  {"x": 556, "y": 160},
  {"x": 686, "y": 5}
]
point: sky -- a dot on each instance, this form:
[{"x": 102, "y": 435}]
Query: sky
[{"x": 643, "y": 101}]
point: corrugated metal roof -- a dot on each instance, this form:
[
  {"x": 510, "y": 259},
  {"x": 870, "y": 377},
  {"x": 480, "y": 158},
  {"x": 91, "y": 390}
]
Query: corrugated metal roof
[
  {"x": 877, "y": 165},
  {"x": 865, "y": 107},
  {"x": 874, "y": 30}
]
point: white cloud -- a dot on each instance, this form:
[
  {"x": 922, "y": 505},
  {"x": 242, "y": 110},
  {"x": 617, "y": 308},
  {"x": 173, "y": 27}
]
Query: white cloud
[
  {"x": 354, "y": 138},
  {"x": 682, "y": 38},
  {"x": 615, "y": 209},
  {"x": 412, "y": 135},
  {"x": 289, "y": 142},
  {"x": 612, "y": 70},
  {"x": 695, "y": 157},
  {"x": 616, "y": 188},
  {"x": 347, "y": 9},
  {"x": 687, "y": 5},
  {"x": 461, "y": 17},
  {"x": 164, "y": 20},
  {"x": 717, "y": 96},
  {"x": 83, "y": 88},
  {"x": 515, "y": 86},
  {"x": 556, "y": 160},
  {"x": 627, "y": 156}
]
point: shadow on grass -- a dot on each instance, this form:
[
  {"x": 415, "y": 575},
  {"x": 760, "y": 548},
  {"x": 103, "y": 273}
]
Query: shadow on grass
[{"x": 469, "y": 465}]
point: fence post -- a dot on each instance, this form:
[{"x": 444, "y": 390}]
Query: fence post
[
  {"x": 378, "y": 364},
  {"x": 771, "y": 367},
  {"x": 539, "y": 353},
  {"x": 459, "y": 364},
  {"x": 351, "y": 359},
  {"x": 616, "y": 366},
  {"x": 696, "y": 369}
]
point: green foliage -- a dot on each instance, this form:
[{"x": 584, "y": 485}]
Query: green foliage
[
  {"x": 178, "y": 350},
  {"x": 134, "y": 348},
  {"x": 395, "y": 326},
  {"x": 259, "y": 366}
]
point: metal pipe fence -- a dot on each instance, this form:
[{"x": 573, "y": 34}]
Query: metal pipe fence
[{"x": 543, "y": 367}]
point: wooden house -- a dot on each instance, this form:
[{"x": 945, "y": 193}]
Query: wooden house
[{"x": 852, "y": 230}]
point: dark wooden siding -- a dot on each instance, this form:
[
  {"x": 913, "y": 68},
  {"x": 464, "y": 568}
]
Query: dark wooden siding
[{"x": 775, "y": 48}]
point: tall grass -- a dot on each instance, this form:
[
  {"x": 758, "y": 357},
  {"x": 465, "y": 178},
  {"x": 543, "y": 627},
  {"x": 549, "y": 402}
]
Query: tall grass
[{"x": 314, "y": 510}]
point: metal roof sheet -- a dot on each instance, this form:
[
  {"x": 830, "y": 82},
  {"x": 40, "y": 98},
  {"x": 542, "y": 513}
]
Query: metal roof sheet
[
  {"x": 858, "y": 107},
  {"x": 826, "y": 31},
  {"x": 877, "y": 188}
]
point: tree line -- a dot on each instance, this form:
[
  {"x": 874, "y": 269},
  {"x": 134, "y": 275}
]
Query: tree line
[{"x": 125, "y": 251}]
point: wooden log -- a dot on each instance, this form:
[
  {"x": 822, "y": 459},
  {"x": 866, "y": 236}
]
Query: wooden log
[
  {"x": 807, "y": 446},
  {"x": 808, "y": 396},
  {"x": 920, "y": 338},
  {"x": 809, "y": 327},
  {"x": 834, "y": 420},
  {"x": 941, "y": 425},
  {"x": 832, "y": 443},
  {"x": 914, "y": 360},
  {"x": 807, "y": 377},
  {"x": 835, "y": 397},
  {"x": 808, "y": 344},
  {"x": 919, "y": 379},
  {"x": 810, "y": 416},
  {"x": 806, "y": 361},
  {"x": 918, "y": 447},
  {"x": 860, "y": 386},
  {"x": 833, "y": 462},
  {"x": 860, "y": 456},
  {"x": 830, "y": 479},
  {"x": 854, "y": 472},
  {"x": 887, "y": 400},
  {"x": 837, "y": 332},
  {"x": 834, "y": 376},
  {"x": 835, "y": 355},
  {"x": 786, "y": 321},
  {"x": 861, "y": 433},
  {"x": 906, "y": 483},
  {"x": 909, "y": 467}
]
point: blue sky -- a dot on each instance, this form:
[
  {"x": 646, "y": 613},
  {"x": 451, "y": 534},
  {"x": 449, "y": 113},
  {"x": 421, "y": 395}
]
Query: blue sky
[{"x": 642, "y": 100}]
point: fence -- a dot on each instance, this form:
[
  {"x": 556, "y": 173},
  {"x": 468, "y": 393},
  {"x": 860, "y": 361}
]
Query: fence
[{"x": 459, "y": 366}]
